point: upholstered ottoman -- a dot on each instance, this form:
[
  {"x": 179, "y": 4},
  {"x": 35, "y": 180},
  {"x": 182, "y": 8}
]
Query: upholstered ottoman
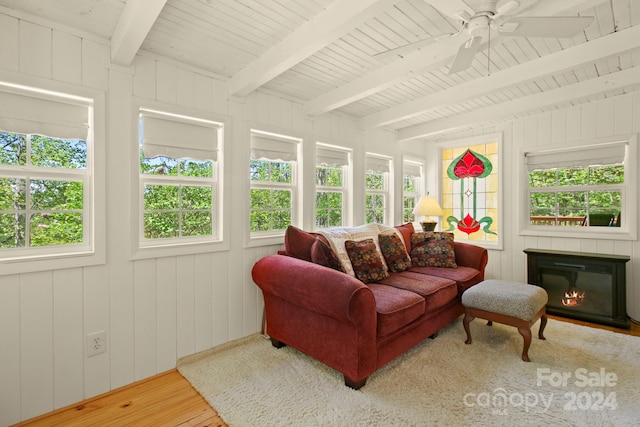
[{"x": 510, "y": 303}]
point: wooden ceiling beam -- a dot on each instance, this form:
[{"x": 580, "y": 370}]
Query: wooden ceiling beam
[
  {"x": 575, "y": 57},
  {"x": 336, "y": 20},
  {"x": 419, "y": 62},
  {"x": 505, "y": 110},
  {"x": 134, "y": 24}
]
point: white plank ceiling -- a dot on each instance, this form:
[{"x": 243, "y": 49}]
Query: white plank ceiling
[{"x": 323, "y": 53}]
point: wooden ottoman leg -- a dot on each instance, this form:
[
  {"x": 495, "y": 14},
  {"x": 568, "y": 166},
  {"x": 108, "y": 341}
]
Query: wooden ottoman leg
[
  {"x": 526, "y": 334},
  {"x": 467, "y": 318},
  {"x": 543, "y": 323}
]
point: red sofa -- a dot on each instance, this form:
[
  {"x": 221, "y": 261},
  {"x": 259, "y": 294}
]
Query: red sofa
[{"x": 353, "y": 327}]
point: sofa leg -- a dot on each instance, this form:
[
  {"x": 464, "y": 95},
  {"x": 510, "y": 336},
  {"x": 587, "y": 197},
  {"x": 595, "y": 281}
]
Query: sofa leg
[
  {"x": 356, "y": 385},
  {"x": 434, "y": 335},
  {"x": 276, "y": 343}
]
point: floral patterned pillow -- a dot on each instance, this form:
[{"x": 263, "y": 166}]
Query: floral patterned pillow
[
  {"x": 366, "y": 260},
  {"x": 433, "y": 249},
  {"x": 394, "y": 252}
]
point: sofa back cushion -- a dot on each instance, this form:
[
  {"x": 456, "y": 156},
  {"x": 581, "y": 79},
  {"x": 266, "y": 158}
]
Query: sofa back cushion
[
  {"x": 406, "y": 230},
  {"x": 433, "y": 249},
  {"x": 297, "y": 243},
  {"x": 322, "y": 254},
  {"x": 394, "y": 252},
  {"x": 366, "y": 261}
]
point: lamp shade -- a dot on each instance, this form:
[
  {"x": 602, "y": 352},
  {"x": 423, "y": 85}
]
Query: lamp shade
[{"x": 428, "y": 206}]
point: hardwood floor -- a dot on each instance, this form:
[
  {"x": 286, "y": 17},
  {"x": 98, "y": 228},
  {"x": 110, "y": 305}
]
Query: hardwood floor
[{"x": 166, "y": 399}]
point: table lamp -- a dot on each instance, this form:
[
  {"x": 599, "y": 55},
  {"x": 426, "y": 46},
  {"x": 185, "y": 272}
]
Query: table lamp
[{"x": 427, "y": 207}]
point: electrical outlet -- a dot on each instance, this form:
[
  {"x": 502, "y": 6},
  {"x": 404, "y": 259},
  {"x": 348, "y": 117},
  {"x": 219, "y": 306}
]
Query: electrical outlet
[{"x": 96, "y": 343}]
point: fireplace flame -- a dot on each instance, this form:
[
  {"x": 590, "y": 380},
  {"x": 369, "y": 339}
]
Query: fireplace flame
[{"x": 573, "y": 298}]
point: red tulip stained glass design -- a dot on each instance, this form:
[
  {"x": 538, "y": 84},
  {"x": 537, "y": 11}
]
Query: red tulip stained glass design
[{"x": 468, "y": 168}]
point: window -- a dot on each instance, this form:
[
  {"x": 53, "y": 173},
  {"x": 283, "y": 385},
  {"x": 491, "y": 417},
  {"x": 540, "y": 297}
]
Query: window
[
  {"x": 179, "y": 186},
  {"x": 272, "y": 174},
  {"x": 471, "y": 189},
  {"x": 584, "y": 189},
  {"x": 46, "y": 174},
  {"x": 331, "y": 185},
  {"x": 377, "y": 186},
  {"x": 411, "y": 188}
]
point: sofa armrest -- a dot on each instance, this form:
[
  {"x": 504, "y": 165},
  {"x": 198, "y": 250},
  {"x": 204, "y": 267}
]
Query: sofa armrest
[
  {"x": 469, "y": 255},
  {"x": 316, "y": 288}
]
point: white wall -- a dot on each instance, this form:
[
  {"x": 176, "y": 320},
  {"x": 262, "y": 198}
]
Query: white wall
[
  {"x": 615, "y": 116},
  {"x": 158, "y": 310},
  {"x": 154, "y": 310}
]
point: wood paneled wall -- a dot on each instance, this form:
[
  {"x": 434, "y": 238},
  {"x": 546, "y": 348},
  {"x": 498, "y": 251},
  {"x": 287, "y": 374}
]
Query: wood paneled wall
[
  {"x": 158, "y": 310},
  {"x": 153, "y": 310},
  {"x": 603, "y": 117}
]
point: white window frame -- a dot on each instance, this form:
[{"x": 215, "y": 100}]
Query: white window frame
[
  {"x": 272, "y": 237},
  {"x": 418, "y": 182},
  {"x": 93, "y": 250},
  {"x": 386, "y": 191},
  {"x": 628, "y": 230},
  {"x": 153, "y": 248},
  {"x": 345, "y": 189}
]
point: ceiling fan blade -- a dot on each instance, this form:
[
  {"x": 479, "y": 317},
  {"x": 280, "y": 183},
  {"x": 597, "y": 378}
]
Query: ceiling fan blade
[
  {"x": 402, "y": 51},
  {"x": 465, "y": 55},
  {"x": 506, "y": 8},
  {"x": 451, "y": 7},
  {"x": 545, "y": 26}
]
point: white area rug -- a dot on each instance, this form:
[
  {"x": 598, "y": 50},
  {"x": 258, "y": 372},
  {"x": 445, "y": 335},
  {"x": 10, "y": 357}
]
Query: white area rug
[{"x": 579, "y": 376}]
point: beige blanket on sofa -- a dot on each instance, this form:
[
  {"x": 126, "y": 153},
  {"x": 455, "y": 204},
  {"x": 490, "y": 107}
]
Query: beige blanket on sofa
[{"x": 338, "y": 235}]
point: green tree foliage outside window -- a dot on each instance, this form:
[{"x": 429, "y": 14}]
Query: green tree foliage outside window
[
  {"x": 568, "y": 196},
  {"x": 375, "y": 208},
  {"x": 271, "y": 195},
  {"x": 178, "y": 197},
  {"x": 409, "y": 203},
  {"x": 329, "y": 195},
  {"x": 36, "y": 209},
  {"x": 410, "y": 195},
  {"x": 375, "y": 199}
]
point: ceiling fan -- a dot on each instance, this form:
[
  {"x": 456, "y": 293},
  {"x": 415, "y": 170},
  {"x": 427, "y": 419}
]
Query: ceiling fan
[{"x": 476, "y": 24}]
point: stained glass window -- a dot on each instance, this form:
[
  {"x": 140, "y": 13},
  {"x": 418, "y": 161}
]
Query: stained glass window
[{"x": 470, "y": 192}]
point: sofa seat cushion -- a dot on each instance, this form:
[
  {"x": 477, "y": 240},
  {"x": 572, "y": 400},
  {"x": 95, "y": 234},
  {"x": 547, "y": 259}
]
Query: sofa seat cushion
[
  {"x": 436, "y": 291},
  {"x": 395, "y": 307},
  {"x": 465, "y": 277}
]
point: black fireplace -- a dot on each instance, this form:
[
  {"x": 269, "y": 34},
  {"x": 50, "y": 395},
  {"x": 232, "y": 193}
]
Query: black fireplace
[{"x": 585, "y": 286}]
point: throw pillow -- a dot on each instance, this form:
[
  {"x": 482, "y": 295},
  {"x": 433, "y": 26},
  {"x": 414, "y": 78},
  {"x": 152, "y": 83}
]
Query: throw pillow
[
  {"x": 433, "y": 249},
  {"x": 336, "y": 236},
  {"x": 406, "y": 230},
  {"x": 297, "y": 243},
  {"x": 394, "y": 252},
  {"x": 366, "y": 260},
  {"x": 322, "y": 254}
]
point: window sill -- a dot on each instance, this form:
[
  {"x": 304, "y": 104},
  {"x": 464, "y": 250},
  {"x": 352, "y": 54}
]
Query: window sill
[
  {"x": 50, "y": 262},
  {"x": 271, "y": 240},
  {"x": 175, "y": 249},
  {"x": 609, "y": 233}
]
